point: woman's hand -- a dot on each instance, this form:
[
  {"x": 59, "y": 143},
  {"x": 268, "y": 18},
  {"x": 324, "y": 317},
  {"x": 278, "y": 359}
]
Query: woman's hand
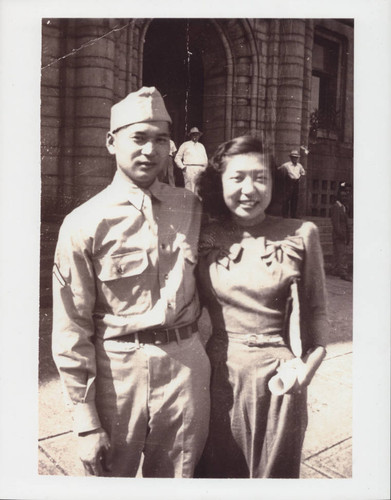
[{"x": 307, "y": 367}]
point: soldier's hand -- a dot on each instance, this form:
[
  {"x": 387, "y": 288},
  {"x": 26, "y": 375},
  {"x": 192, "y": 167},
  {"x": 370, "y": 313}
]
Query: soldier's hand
[{"x": 94, "y": 452}]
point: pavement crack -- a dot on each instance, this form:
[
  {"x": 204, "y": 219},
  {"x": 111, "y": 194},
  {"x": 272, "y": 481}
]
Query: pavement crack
[
  {"x": 327, "y": 448},
  {"x": 54, "y": 436},
  {"x": 317, "y": 470},
  {"x": 338, "y": 356},
  {"x": 51, "y": 459}
]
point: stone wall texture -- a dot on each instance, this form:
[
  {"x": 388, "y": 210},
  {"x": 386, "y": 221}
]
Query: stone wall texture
[{"x": 257, "y": 79}]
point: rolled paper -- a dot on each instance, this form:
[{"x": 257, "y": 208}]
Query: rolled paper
[
  {"x": 283, "y": 381},
  {"x": 286, "y": 376}
]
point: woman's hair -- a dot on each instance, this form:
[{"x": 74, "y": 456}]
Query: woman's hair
[{"x": 210, "y": 187}]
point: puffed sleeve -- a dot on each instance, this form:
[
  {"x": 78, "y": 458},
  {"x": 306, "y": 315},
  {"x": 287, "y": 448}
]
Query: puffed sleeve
[
  {"x": 313, "y": 290},
  {"x": 73, "y": 327}
]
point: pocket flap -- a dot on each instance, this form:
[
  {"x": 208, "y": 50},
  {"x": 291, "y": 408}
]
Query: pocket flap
[{"x": 114, "y": 267}]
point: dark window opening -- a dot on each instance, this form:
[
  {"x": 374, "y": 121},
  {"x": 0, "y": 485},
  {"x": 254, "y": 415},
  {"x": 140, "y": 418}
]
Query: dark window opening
[{"x": 324, "y": 92}]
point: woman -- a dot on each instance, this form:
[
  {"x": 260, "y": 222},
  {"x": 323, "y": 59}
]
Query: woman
[{"x": 256, "y": 272}]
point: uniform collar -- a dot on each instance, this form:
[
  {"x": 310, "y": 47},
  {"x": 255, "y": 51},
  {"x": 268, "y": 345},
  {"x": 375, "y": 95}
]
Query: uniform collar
[{"x": 126, "y": 188}]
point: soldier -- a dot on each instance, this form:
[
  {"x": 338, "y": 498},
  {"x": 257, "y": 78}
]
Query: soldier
[{"x": 125, "y": 335}]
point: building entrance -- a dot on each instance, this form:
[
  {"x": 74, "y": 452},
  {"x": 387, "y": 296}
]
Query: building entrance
[{"x": 173, "y": 64}]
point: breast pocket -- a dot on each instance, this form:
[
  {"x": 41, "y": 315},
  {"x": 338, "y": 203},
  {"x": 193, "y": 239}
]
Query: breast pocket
[
  {"x": 115, "y": 267},
  {"x": 124, "y": 286}
]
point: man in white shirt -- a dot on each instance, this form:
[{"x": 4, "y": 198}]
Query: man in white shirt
[
  {"x": 291, "y": 172},
  {"x": 192, "y": 159}
]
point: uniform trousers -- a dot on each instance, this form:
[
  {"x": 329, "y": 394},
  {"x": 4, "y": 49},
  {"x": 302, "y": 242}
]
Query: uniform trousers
[
  {"x": 154, "y": 402},
  {"x": 253, "y": 433},
  {"x": 191, "y": 174}
]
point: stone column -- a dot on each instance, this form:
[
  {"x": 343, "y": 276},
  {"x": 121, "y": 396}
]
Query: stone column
[
  {"x": 305, "y": 185},
  {"x": 289, "y": 113},
  {"x": 290, "y": 87},
  {"x": 94, "y": 69}
]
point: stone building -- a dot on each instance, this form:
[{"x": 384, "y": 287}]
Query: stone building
[{"x": 289, "y": 80}]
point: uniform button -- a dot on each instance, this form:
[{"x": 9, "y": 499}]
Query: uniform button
[
  {"x": 169, "y": 305},
  {"x": 163, "y": 246},
  {"x": 166, "y": 276}
]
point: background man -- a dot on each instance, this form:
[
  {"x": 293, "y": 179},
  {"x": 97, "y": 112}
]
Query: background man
[
  {"x": 192, "y": 159},
  {"x": 167, "y": 173},
  {"x": 290, "y": 174},
  {"x": 341, "y": 231},
  {"x": 125, "y": 337}
]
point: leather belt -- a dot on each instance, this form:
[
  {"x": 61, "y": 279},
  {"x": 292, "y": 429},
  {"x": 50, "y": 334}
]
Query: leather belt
[{"x": 160, "y": 336}]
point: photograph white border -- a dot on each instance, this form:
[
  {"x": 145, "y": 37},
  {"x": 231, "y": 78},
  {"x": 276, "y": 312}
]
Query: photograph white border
[{"x": 20, "y": 55}]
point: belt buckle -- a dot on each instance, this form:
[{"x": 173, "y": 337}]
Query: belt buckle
[
  {"x": 252, "y": 340},
  {"x": 157, "y": 341}
]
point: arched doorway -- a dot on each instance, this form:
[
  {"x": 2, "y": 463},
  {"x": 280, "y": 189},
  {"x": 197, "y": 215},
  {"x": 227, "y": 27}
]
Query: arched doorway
[
  {"x": 173, "y": 64},
  {"x": 185, "y": 59}
]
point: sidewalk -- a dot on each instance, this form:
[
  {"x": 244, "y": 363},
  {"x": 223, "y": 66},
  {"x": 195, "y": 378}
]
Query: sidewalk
[{"x": 327, "y": 451}]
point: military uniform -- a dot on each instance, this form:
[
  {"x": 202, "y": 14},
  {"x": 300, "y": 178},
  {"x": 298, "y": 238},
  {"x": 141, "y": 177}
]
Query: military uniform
[{"x": 125, "y": 337}]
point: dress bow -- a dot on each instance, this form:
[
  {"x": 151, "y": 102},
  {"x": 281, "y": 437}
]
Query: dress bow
[
  {"x": 225, "y": 256},
  {"x": 291, "y": 247}
]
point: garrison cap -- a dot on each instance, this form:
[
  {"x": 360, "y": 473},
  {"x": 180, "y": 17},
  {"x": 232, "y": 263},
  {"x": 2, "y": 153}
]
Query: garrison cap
[{"x": 145, "y": 105}]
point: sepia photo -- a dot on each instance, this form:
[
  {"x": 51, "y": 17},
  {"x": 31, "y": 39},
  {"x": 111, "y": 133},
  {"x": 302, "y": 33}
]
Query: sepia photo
[
  {"x": 287, "y": 82},
  {"x": 195, "y": 250}
]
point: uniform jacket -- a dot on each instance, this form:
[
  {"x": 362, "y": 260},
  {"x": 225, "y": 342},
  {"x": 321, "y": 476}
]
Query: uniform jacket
[{"x": 124, "y": 262}]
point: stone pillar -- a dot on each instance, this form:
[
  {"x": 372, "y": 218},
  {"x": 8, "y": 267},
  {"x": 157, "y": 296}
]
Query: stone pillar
[
  {"x": 290, "y": 87},
  {"x": 305, "y": 185},
  {"x": 50, "y": 113},
  {"x": 289, "y": 113},
  {"x": 93, "y": 97}
]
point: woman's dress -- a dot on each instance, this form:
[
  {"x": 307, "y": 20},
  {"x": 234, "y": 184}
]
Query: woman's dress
[{"x": 245, "y": 277}]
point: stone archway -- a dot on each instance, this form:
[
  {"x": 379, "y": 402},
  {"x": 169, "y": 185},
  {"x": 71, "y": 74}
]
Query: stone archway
[{"x": 187, "y": 60}]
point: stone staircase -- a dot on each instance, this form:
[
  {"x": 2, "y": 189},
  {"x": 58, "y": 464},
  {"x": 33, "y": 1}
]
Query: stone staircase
[{"x": 49, "y": 233}]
